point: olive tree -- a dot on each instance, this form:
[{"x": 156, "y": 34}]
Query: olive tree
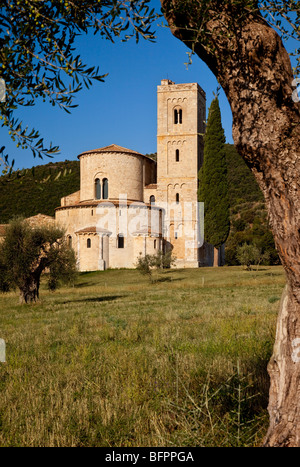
[
  {"x": 38, "y": 57},
  {"x": 241, "y": 42},
  {"x": 27, "y": 252}
]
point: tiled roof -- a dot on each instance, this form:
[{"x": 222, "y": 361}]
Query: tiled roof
[
  {"x": 106, "y": 202},
  {"x": 113, "y": 148},
  {"x": 93, "y": 229},
  {"x": 42, "y": 217}
]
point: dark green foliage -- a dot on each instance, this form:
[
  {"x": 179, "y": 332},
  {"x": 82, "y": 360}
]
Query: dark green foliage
[
  {"x": 29, "y": 192},
  {"x": 249, "y": 223},
  {"x": 242, "y": 185},
  {"x": 27, "y": 252},
  {"x": 4, "y": 280},
  {"x": 248, "y": 215},
  {"x": 213, "y": 183}
]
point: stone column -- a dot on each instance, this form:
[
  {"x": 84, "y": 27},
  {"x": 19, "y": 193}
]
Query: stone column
[{"x": 101, "y": 261}]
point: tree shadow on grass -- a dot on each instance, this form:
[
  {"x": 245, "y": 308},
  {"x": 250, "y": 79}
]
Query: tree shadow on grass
[
  {"x": 84, "y": 284},
  {"x": 107, "y": 298},
  {"x": 168, "y": 279}
]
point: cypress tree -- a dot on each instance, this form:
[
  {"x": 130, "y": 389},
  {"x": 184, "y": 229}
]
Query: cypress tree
[{"x": 213, "y": 183}]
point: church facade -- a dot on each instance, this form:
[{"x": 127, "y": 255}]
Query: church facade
[{"x": 129, "y": 204}]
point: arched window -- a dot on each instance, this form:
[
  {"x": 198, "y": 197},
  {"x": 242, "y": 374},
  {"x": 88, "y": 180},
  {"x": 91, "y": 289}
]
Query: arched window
[
  {"x": 177, "y": 155},
  {"x": 120, "y": 243},
  {"x": 177, "y": 116},
  {"x": 177, "y": 197},
  {"x": 105, "y": 188},
  {"x": 88, "y": 243},
  {"x": 97, "y": 189},
  {"x": 152, "y": 199}
]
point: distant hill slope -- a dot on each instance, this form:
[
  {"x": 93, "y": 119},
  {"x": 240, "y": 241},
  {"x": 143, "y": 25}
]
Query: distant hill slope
[
  {"x": 248, "y": 214},
  {"x": 242, "y": 184},
  {"x": 37, "y": 190}
]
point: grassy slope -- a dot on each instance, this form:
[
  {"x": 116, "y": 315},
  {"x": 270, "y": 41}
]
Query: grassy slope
[{"x": 116, "y": 361}]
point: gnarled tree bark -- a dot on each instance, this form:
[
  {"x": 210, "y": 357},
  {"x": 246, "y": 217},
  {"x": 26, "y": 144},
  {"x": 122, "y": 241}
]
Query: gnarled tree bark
[
  {"x": 251, "y": 64},
  {"x": 29, "y": 291},
  {"x": 29, "y": 285}
]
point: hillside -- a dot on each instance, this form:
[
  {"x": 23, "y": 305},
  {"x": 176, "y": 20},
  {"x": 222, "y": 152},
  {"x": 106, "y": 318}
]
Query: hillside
[
  {"x": 40, "y": 189},
  {"x": 242, "y": 184},
  {"x": 37, "y": 190},
  {"x": 248, "y": 215}
]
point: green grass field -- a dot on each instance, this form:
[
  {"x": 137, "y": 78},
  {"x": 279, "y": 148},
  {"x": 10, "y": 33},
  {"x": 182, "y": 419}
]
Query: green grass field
[{"x": 118, "y": 361}]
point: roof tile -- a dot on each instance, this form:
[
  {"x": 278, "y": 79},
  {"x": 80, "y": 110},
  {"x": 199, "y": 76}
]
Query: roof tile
[{"x": 113, "y": 148}]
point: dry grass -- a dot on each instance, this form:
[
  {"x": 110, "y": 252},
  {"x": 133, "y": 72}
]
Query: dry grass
[{"x": 117, "y": 361}]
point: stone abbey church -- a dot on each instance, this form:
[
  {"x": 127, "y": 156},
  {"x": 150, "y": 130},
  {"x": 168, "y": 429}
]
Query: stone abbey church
[{"x": 130, "y": 205}]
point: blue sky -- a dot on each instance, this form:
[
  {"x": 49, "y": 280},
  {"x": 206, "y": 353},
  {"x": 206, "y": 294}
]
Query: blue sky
[{"x": 122, "y": 110}]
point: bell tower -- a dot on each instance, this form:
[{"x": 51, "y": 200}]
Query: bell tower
[{"x": 181, "y": 114}]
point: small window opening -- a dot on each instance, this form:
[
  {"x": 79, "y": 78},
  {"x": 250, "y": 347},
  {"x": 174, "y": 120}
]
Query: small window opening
[
  {"x": 105, "y": 188},
  {"x": 154, "y": 244},
  {"x": 177, "y": 116},
  {"x": 177, "y": 155},
  {"x": 97, "y": 189},
  {"x": 177, "y": 198},
  {"x": 120, "y": 241},
  {"x": 180, "y": 116},
  {"x": 69, "y": 241},
  {"x": 152, "y": 199},
  {"x": 176, "y": 235},
  {"x": 88, "y": 243}
]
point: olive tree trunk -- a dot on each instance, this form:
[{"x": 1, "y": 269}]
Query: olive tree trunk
[
  {"x": 249, "y": 60},
  {"x": 29, "y": 290}
]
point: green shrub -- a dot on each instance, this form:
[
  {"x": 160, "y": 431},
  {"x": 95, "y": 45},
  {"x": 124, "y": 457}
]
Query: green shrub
[
  {"x": 248, "y": 255},
  {"x": 149, "y": 263}
]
